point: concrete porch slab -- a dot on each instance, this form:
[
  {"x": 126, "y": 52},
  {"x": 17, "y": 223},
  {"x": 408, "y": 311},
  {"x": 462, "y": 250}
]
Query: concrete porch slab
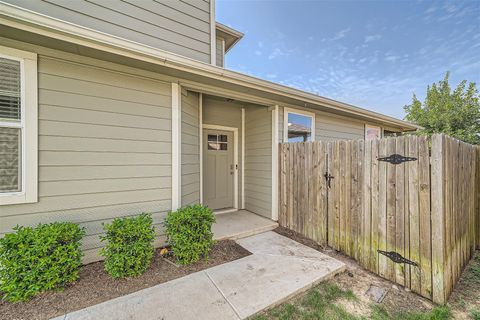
[
  {"x": 239, "y": 224},
  {"x": 190, "y": 297},
  {"x": 277, "y": 269}
]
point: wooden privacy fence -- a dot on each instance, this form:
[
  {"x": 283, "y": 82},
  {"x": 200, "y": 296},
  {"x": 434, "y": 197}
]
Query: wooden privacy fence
[{"x": 405, "y": 208}]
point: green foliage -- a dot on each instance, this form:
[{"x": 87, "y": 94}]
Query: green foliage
[
  {"x": 33, "y": 260},
  {"x": 475, "y": 314},
  {"x": 189, "y": 232},
  {"x": 455, "y": 113},
  {"x": 129, "y": 249}
]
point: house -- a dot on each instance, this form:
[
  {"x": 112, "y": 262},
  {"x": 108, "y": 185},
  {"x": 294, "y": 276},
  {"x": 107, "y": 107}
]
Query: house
[{"x": 110, "y": 108}]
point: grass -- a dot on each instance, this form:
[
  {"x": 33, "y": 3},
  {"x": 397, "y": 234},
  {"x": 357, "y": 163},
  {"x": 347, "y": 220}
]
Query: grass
[
  {"x": 318, "y": 303},
  {"x": 322, "y": 302}
]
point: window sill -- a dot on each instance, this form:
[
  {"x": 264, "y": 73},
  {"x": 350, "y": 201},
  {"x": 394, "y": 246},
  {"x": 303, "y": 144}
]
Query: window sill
[{"x": 16, "y": 198}]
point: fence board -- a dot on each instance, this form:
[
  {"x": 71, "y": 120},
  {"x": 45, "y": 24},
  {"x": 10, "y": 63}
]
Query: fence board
[
  {"x": 375, "y": 212},
  {"x": 425, "y": 253},
  {"x": 399, "y": 232}
]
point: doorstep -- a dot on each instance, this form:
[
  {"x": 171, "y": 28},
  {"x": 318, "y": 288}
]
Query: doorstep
[
  {"x": 278, "y": 269},
  {"x": 240, "y": 224}
]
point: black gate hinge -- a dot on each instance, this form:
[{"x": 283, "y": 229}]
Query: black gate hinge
[
  {"x": 397, "y": 257},
  {"x": 396, "y": 158}
]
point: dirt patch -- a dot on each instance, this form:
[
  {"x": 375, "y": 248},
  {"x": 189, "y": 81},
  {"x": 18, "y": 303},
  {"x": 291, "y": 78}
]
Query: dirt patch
[
  {"x": 95, "y": 285},
  {"x": 465, "y": 299},
  {"x": 358, "y": 280}
]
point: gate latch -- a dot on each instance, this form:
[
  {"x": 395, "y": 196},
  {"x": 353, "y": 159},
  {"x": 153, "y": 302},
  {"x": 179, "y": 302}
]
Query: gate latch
[
  {"x": 329, "y": 178},
  {"x": 396, "y": 158},
  {"x": 397, "y": 257}
]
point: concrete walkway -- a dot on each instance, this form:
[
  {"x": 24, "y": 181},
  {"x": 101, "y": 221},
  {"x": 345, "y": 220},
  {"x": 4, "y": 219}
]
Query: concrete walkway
[{"x": 277, "y": 269}]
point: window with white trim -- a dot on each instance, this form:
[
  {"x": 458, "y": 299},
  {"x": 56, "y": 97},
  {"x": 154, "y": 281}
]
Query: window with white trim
[
  {"x": 299, "y": 125},
  {"x": 18, "y": 126}
]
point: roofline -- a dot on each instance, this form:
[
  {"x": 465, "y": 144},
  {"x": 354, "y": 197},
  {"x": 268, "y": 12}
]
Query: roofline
[
  {"x": 234, "y": 33},
  {"x": 55, "y": 28}
]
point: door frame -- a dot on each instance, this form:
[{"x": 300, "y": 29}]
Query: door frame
[{"x": 235, "y": 158}]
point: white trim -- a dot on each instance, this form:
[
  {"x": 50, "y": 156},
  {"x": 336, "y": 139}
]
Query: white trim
[
  {"x": 34, "y": 22},
  {"x": 275, "y": 163},
  {"x": 235, "y": 157},
  {"x": 286, "y": 111},
  {"x": 213, "y": 34},
  {"x": 374, "y": 127},
  {"x": 28, "y": 125},
  {"x": 176, "y": 147},
  {"x": 243, "y": 159},
  {"x": 200, "y": 141},
  {"x": 223, "y": 53}
]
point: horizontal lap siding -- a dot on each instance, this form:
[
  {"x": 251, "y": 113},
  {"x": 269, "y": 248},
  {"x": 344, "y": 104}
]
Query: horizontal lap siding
[
  {"x": 258, "y": 160},
  {"x": 104, "y": 149},
  {"x": 329, "y": 127},
  {"x": 190, "y": 149},
  {"x": 175, "y": 26}
]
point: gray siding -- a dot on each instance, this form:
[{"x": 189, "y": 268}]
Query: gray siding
[
  {"x": 258, "y": 160},
  {"x": 330, "y": 126},
  {"x": 223, "y": 113},
  {"x": 220, "y": 55},
  {"x": 181, "y": 27},
  {"x": 104, "y": 148},
  {"x": 190, "y": 149}
]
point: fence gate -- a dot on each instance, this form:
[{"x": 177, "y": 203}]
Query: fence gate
[
  {"x": 387, "y": 203},
  {"x": 303, "y": 189}
]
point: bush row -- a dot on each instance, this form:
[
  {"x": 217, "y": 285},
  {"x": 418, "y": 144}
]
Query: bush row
[{"x": 33, "y": 260}]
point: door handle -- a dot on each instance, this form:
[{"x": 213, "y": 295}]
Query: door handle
[{"x": 329, "y": 178}]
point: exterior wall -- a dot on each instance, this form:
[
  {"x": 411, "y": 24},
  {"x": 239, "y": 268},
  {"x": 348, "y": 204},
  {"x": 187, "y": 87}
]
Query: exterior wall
[
  {"x": 227, "y": 114},
  {"x": 258, "y": 160},
  {"x": 181, "y": 27},
  {"x": 190, "y": 148},
  {"x": 330, "y": 126},
  {"x": 220, "y": 56},
  {"x": 104, "y": 146}
]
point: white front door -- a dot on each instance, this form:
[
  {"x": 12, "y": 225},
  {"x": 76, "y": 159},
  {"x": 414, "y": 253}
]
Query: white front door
[{"x": 218, "y": 169}]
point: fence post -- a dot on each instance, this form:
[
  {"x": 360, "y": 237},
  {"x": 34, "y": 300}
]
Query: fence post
[
  {"x": 438, "y": 219},
  {"x": 477, "y": 196}
]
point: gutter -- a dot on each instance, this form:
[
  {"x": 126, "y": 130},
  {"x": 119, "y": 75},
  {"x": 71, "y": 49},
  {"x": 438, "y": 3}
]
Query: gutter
[{"x": 34, "y": 22}]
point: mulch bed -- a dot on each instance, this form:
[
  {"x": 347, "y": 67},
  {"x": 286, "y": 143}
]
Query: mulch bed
[{"x": 95, "y": 285}]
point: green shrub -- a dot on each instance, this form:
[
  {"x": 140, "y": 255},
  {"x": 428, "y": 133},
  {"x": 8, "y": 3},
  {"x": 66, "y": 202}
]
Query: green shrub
[
  {"x": 189, "y": 232},
  {"x": 33, "y": 260},
  {"x": 129, "y": 249}
]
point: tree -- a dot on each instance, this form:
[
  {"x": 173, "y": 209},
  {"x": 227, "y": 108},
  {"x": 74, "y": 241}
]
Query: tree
[{"x": 455, "y": 113}]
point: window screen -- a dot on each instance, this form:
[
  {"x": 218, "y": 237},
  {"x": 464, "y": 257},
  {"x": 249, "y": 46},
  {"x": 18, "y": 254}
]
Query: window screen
[{"x": 10, "y": 125}]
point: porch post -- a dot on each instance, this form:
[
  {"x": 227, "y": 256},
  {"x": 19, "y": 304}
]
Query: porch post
[
  {"x": 275, "y": 163},
  {"x": 176, "y": 146}
]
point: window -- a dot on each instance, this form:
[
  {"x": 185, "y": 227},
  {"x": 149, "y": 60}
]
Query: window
[
  {"x": 372, "y": 132},
  {"x": 299, "y": 126},
  {"x": 217, "y": 142},
  {"x": 18, "y": 126}
]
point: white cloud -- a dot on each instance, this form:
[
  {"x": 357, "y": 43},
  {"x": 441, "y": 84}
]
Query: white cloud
[
  {"x": 373, "y": 37},
  {"x": 341, "y": 34},
  {"x": 258, "y": 52},
  {"x": 277, "y": 52}
]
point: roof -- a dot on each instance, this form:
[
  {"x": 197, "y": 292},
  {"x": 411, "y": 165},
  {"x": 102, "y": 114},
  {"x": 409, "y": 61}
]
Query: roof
[
  {"x": 231, "y": 36},
  {"x": 176, "y": 65}
]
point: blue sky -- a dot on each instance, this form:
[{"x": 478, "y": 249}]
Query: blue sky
[{"x": 373, "y": 54}]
